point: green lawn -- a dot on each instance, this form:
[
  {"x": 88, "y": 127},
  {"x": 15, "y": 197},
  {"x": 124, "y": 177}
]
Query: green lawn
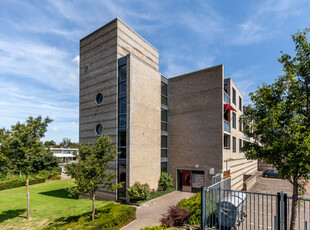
[{"x": 49, "y": 201}]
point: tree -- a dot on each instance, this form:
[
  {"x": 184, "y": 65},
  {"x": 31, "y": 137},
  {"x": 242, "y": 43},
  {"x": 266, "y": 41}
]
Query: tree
[
  {"x": 279, "y": 121},
  {"x": 21, "y": 145},
  {"x": 44, "y": 162},
  {"x": 65, "y": 142},
  {"x": 51, "y": 143},
  {"x": 91, "y": 169}
]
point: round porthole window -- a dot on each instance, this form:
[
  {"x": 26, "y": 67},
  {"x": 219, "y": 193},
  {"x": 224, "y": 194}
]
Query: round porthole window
[
  {"x": 99, "y": 98},
  {"x": 98, "y": 129}
]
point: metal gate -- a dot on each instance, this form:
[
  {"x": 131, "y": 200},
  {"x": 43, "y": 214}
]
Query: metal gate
[{"x": 223, "y": 208}]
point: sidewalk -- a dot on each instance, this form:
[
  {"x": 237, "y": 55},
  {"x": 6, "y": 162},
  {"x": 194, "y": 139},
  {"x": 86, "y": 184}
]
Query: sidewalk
[{"x": 150, "y": 213}]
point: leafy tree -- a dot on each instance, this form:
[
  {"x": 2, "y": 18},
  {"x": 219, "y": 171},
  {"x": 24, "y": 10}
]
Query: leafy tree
[
  {"x": 51, "y": 143},
  {"x": 65, "y": 142},
  {"x": 21, "y": 145},
  {"x": 279, "y": 121},
  {"x": 91, "y": 169},
  {"x": 44, "y": 162}
]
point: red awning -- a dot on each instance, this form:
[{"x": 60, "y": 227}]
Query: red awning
[{"x": 229, "y": 107}]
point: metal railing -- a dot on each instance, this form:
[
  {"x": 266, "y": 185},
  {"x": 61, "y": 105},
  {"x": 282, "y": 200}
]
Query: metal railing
[
  {"x": 226, "y": 126},
  {"x": 246, "y": 137},
  {"x": 228, "y": 209}
]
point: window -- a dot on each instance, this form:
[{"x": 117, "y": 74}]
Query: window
[
  {"x": 164, "y": 120},
  {"x": 164, "y": 153},
  {"x": 122, "y": 73},
  {"x": 122, "y": 138},
  {"x": 240, "y": 145},
  {"x": 122, "y": 121},
  {"x": 122, "y": 87},
  {"x": 164, "y": 167},
  {"x": 122, "y": 152},
  {"x": 98, "y": 129},
  {"x": 240, "y": 125},
  {"x": 233, "y": 95},
  {"x": 234, "y": 120},
  {"x": 164, "y": 94},
  {"x": 86, "y": 67},
  {"x": 164, "y": 141},
  {"x": 234, "y": 144},
  {"x": 226, "y": 142},
  {"x": 122, "y": 107},
  {"x": 240, "y": 104},
  {"x": 99, "y": 98}
]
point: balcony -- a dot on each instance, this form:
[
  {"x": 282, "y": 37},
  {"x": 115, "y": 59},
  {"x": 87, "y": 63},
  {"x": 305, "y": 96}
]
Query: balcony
[
  {"x": 226, "y": 98},
  {"x": 226, "y": 126}
]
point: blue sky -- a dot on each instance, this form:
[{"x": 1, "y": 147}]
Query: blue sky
[{"x": 39, "y": 47}]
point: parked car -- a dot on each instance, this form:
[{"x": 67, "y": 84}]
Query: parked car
[{"x": 271, "y": 173}]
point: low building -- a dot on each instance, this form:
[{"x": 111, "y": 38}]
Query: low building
[
  {"x": 187, "y": 125},
  {"x": 64, "y": 155}
]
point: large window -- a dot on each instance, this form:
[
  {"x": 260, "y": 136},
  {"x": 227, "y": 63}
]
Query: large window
[
  {"x": 240, "y": 125},
  {"x": 233, "y": 95},
  {"x": 122, "y": 123},
  {"x": 164, "y": 124},
  {"x": 234, "y": 120},
  {"x": 234, "y": 144},
  {"x": 240, "y": 104},
  {"x": 240, "y": 145}
]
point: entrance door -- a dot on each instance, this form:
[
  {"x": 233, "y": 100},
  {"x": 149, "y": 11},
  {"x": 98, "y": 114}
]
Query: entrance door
[
  {"x": 186, "y": 181},
  {"x": 180, "y": 179}
]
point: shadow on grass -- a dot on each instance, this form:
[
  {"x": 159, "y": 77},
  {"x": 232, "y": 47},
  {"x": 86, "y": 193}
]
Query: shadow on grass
[
  {"x": 10, "y": 214},
  {"x": 61, "y": 193}
]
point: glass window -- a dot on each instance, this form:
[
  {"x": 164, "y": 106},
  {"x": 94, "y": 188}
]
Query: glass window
[
  {"x": 122, "y": 138},
  {"x": 234, "y": 144},
  {"x": 240, "y": 125},
  {"x": 122, "y": 121},
  {"x": 164, "y": 126},
  {"x": 164, "y": 141},
  {"x": 240, "y": 145},
  {"x": 226, "y": 142},
  {"x": 163, "y": 100},
  {"x": 99, "y": 98},
  {"x": 122, "y": 73},
  {"x": 240, "y": 103},
  {"x": 164, "y": 152},
  {"x": 164, "y": 115},
  {"x": 122, "y": 107},
  {"x": 122, "y": 178},
  {"x": 122, "y": 153},
  {"x": 233, "y": 95},
  {"x": 164, "y": 89},
  {"x": 164, "y": 167},
  {"x": 98, "y": 129},
  {"x": 122, "y": 87},
  {"x": 234, "y": 120}
]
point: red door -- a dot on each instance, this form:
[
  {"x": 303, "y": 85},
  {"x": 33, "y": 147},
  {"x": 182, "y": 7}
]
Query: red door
[{"x": 186, "y": 178}]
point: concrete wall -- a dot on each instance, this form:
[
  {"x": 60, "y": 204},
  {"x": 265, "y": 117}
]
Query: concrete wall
[
  {"x": 144, "y": 123},
  {"x": 195, "y": 124}
]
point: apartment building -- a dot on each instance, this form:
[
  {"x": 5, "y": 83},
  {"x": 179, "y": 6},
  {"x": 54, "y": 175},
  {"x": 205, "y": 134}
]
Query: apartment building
[{"x": 178, "y": 125}]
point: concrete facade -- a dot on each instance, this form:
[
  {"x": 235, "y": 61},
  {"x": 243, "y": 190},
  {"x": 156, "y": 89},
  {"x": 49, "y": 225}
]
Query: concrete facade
[{"x": 195, "y": 117}]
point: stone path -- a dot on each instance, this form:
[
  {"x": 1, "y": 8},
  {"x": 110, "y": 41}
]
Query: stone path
[{"x": 150, "y": 213}]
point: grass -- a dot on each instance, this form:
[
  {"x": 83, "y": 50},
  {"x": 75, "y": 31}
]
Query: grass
[
  {"x": 48, "y": 201},
  {"x": 155, "y": 194}
]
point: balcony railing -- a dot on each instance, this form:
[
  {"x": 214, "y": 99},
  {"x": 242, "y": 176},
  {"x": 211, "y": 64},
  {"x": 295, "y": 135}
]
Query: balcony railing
[
  {"x": 226, "y": 98},
  {"x": 227, "y": 126}
]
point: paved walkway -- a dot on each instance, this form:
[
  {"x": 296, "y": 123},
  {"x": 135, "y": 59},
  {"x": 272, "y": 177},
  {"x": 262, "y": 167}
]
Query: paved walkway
[{"x": 150, "y": 213}]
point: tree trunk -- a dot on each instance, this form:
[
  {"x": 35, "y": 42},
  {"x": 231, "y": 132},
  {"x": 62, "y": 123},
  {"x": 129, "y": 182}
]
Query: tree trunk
[
  {"x": 93, "y": 198},
  {"x": 28, "y": 196},
  {"x": 293, "y": 223}
]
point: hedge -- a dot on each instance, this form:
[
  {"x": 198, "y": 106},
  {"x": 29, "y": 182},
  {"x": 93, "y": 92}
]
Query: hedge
[{"x": 20, "y": 181}]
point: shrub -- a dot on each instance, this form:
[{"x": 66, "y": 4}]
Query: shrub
[
  {"x": 138, "y": 191},
  {"x": 176, "y": 216},
  {"x": 57, "y": 177},
  {"x": 49, "y": 174},
  {"x": 165, "y": 181},
  {"x": 58, "y": 170},
  {"x": 20, "y": 181},
  {"x": 193, "y": 204},
  {"x": 110, "y": 217}
]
